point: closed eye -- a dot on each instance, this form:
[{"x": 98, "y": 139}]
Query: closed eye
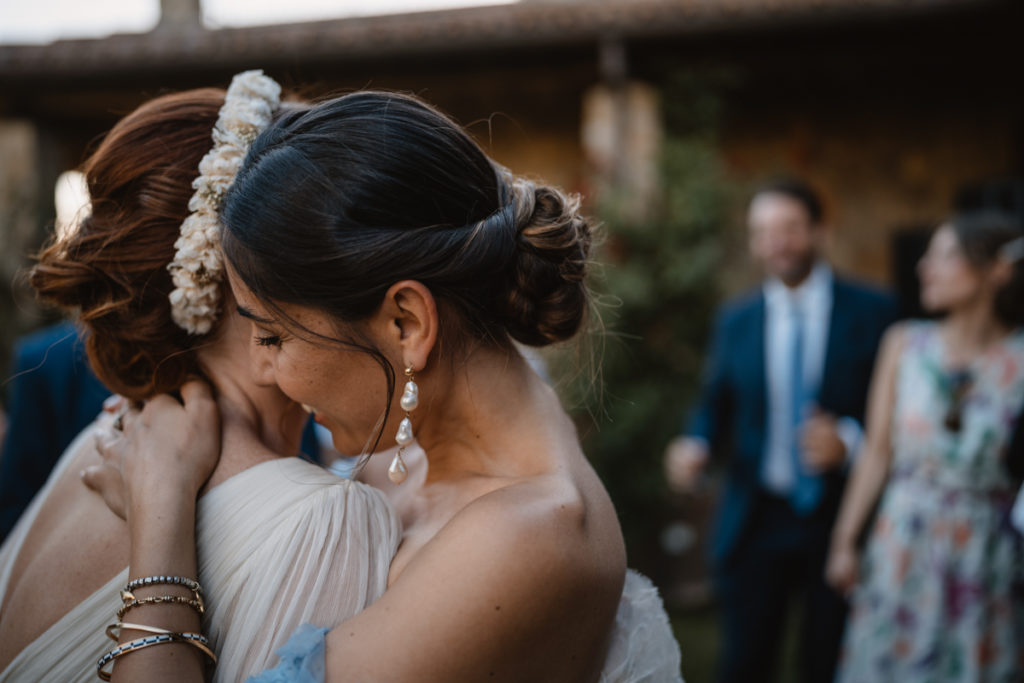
[{"x": 271, "y": 340}]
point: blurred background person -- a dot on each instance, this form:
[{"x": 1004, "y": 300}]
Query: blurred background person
[
  {"x": 1015, "y": 465},
  {"x": 53, "y": 396},
  {"x": 782, "y": 402},
  {"x": 934, "y": 599}
]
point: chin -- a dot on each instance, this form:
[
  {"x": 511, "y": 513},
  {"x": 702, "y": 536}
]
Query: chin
[
  {"x": 789, "y": 271},
  {"x": 933, "y": 306},
  {"x": 345, "y": 445}
]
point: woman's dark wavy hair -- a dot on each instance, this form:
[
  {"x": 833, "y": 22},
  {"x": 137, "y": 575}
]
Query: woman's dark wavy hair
[
  {"x": 982, "y": 233},
  {"x": 336, "y": 204},
  {"x": 113, "y": 268}
]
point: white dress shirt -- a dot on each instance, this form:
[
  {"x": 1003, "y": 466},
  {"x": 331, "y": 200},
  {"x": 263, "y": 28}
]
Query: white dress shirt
[{"x": 813, "y": 300}]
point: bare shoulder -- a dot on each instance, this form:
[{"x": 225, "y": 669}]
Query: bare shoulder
[
  {"x": 894, "y": 341},
  {"x": 897, "y": 333},
  {"x": 543, "y": 539},
  {"x": 551, "y": 514},
  {"x": 524, "y": 582}
]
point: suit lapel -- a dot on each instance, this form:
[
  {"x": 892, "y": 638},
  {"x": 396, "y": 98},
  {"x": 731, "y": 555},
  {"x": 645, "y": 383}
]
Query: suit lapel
[
  {"x": 754, "y": 361},
  {"x": 839, "y": 327}
]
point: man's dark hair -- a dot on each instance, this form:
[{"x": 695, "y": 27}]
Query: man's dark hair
[{"x": 799, "y": 190}]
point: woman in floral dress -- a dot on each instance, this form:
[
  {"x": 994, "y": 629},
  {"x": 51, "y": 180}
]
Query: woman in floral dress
[{"x": 936, "y": 595}]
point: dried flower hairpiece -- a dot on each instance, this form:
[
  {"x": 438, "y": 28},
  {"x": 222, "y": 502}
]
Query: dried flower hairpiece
[{"x": 198, "y": 265}]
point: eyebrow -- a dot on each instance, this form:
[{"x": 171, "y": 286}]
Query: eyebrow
[{"x": 246, "y": 313}]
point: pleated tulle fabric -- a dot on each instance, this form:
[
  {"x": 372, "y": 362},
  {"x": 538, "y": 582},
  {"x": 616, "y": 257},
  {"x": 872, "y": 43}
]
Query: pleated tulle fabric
[
  {"x": 643, "y": 648},
  {"x": 281, "y": 544},
  {"x": 313, "y": 549}
]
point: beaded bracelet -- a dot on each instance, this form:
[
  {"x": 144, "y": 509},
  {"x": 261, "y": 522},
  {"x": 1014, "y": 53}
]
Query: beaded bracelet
[
  {"x": 194, "y": 639},
  {"x": 197, "y": 605},
  {"x": 190, "y": 584},
  {"x": 128, "y": 592}
]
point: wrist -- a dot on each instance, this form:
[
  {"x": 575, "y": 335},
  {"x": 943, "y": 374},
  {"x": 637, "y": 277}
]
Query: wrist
[
  {"x": 843, "y": 541},
  {"x": 166, "y": 511}
]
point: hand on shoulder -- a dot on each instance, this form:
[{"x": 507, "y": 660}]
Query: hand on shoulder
[{"x": 165, "y": 451}]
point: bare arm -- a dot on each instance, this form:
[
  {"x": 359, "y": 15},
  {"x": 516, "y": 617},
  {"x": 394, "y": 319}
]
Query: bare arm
[
  {"x": 872, "y": 467},
  {"x": 160, "y": 506}
]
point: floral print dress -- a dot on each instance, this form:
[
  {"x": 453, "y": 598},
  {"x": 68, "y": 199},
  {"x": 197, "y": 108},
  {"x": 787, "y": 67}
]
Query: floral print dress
[{"x": 940, "y": 594}]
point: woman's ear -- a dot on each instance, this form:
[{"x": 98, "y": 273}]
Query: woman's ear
[{"x": 408, "y": 321}]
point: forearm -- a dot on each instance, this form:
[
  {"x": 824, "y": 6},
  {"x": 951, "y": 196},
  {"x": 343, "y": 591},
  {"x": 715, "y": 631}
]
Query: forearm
[
  {"x": 162, "y": 544},
  {"x": 870, "y": 474}
]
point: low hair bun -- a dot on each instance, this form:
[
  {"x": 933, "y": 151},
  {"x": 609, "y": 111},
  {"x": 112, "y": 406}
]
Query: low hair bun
[
  {"x": 546, "y": 301},
  {"x": 112, "y": 269}
]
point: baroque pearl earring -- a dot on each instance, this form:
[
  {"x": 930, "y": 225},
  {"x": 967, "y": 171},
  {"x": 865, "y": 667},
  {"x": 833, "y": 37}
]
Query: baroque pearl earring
[{"x": 410, "y": 400}]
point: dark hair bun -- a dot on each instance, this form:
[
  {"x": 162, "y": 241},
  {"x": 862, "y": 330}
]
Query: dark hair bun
[
  {"x": 334, "y": 206},
  {"x": 546, "y": 301}
]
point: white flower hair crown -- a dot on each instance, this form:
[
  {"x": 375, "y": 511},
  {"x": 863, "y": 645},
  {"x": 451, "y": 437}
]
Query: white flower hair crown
[{"x": 198, "y": 265}]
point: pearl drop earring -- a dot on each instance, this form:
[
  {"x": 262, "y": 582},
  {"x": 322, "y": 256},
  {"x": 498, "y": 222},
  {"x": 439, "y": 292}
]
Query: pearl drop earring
[{"x": 397, "y": 471}]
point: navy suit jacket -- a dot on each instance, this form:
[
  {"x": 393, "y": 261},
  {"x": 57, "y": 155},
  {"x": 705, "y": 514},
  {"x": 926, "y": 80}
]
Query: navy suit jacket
[
  {"x": 732, "y": 412},
  {"x": 53, "y": 396}
]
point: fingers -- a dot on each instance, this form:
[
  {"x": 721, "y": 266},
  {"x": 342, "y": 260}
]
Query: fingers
[
  {"x": 95, "y": 476},
  {"x": 105, "y": 440},
  {"x": 683, "y": 465},
  {"x": 114, "y": 404},
  {"x": 106, "y": 481},
  {"x": 194, "y": 393},
  {"x": 162, "y": 403}
]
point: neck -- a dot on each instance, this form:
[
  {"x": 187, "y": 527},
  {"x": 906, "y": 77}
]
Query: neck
[
  {"x": 256, "y": 422},
  {"x": 493, "y": 404},
  {"x": 970, "y": 330}
]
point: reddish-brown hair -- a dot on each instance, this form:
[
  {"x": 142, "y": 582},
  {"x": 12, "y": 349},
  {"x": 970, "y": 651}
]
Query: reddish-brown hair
[{"x": 113, "y": 268}]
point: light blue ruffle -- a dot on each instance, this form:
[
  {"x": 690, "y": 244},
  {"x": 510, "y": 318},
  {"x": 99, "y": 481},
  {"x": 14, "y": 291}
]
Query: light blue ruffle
[{"x": 302, "y": 658}]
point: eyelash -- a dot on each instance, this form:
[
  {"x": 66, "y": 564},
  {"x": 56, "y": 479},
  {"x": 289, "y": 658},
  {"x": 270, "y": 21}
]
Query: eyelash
[{"x": 272, "y": 340}]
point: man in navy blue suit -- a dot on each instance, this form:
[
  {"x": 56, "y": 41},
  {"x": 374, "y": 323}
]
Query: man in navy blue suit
[{"x": 782, "y": 404}]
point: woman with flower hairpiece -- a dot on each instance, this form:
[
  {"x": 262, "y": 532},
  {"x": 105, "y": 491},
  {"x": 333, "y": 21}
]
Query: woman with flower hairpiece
[
  {"x": 387, "y": 267},
  {"x": 937, "y": 594},
  {"x": 144, "y": 272}
]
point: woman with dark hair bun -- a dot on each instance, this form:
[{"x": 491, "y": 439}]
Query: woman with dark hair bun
[
  {"x": 937, "y": 594},
  {"x": 378, "y": 251},
  {"x": 270, "y": 527}
]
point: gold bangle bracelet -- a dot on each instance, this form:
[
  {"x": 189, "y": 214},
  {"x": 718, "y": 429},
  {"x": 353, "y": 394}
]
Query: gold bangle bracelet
[{"x": 120, "y": 627}]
